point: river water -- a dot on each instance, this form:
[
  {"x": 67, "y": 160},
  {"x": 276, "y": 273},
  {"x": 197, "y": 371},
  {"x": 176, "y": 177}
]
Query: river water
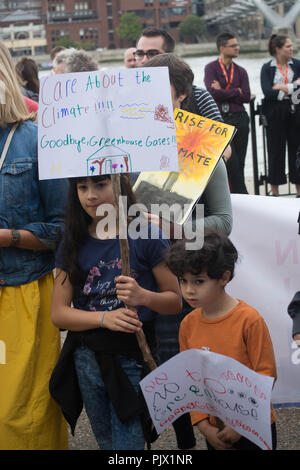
[{"x": 252, "y": 63}]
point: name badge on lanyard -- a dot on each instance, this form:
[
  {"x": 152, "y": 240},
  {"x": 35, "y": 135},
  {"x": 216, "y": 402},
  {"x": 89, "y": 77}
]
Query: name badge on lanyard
[
  {"x": 284, "y": 73},
  {"x": 228, "y": 81}
]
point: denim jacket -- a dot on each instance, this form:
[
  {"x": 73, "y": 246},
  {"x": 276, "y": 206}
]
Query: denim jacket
[{"x": 28, "y": 204}]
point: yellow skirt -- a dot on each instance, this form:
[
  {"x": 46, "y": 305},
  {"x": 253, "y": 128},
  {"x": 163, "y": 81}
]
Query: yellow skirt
[{"x": 29, "y": 348}]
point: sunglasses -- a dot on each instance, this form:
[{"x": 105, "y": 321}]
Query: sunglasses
[
  {"x": 233, "y": 45},
  {"x": 139, "y": 53}
]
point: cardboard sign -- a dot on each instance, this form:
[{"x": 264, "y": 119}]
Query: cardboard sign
[
  {"x": 106, "y": 122},
  {"x": 200, "y": 380},
  {"x": 200, "y": 143}
]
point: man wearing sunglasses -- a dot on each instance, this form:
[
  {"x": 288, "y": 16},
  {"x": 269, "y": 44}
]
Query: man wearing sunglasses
[
  {"x": 154, "y": 41},
  {"x": 228, "y": 83}
]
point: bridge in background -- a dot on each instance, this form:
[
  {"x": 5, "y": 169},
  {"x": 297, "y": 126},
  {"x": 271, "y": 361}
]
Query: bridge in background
[{"x": 240, "y": 9}]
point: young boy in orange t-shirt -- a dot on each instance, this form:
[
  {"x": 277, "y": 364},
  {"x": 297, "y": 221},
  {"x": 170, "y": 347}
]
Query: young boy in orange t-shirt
[{"x": 221, "y": 323}]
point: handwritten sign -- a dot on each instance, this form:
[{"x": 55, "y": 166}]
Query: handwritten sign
[
  {"x": 199, "y": 380},
  {"x": 102, "y": 122},
  {"x": 200, "y": 144}
]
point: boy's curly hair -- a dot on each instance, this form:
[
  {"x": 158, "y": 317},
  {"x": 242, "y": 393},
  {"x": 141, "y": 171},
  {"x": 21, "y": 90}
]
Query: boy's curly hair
[{"x": 217, "y": 255}]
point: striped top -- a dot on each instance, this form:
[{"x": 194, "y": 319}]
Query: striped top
[{"x": 206, "y": 104}]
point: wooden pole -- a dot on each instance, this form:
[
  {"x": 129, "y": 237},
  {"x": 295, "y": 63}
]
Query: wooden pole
[{"x": 124, "y": 248}]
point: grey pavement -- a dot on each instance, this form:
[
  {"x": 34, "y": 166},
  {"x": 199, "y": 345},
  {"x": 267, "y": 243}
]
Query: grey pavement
[{"x": 288, "y": 434}]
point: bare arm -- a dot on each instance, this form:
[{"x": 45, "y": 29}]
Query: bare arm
[
  {"x": 65, "y": 316},
  {"x": 28, "y": 240},
  {"x": 167, "y": 301}
]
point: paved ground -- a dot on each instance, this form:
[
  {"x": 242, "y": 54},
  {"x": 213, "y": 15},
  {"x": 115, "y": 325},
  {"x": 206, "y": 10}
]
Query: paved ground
[{"x": 288, "y": 434}]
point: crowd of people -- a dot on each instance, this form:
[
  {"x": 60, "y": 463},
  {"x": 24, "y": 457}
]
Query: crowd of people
[{"x": 176, "y": 296}]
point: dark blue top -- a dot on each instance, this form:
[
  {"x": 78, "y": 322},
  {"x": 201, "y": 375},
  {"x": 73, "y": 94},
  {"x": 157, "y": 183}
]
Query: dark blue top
[
  {"x": 100, "y": 264},
  {"x": 267, "y": 75}
]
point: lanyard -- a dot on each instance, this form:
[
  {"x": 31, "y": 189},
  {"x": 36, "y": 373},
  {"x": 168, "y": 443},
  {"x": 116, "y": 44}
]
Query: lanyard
[
  {"x": 284, "y": 74},
  {"x": 229, "y": 82}
]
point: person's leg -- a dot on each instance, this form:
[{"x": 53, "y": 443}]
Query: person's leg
[
  {"x": 128, "y": 435},
  {"x": 276, "y": 145},
  {"x": 293, "y": 140},
  {"x": 241, "y": 145},
  {"x": 94, "y": 396},
  {"x": 184, "y": 432},
  {"x": 235, "y": 164}
]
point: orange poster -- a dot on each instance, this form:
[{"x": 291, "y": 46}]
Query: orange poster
[{"x": 200, "y": 143}]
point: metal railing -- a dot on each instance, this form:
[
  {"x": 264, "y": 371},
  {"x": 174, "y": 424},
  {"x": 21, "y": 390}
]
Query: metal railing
[{"x": 261, "y": 178}]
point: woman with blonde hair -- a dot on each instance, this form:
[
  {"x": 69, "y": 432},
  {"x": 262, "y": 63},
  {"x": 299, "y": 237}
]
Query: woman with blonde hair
[{"x": 31, "y": 224}]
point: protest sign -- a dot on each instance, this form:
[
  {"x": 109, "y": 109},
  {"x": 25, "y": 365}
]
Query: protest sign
[
  {"x": 101, "y": 122},
  {"x": 267, "y": 276},
  {"x": 200, "y": 143},
  {"x": 200, "y": 380}
]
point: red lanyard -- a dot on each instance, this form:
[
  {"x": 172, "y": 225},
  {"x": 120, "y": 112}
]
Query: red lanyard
[
  {"x": 284, "y": 74},
  {"x": 229, "y": 82}
]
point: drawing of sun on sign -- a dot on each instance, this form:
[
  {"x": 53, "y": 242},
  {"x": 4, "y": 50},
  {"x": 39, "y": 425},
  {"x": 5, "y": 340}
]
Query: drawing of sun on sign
[{"x": 109, "y": 159}]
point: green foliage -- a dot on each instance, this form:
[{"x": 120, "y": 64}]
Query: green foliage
[
  {"x": 67, "y": 42},
  {"x": 192, "y": 27},
  {"x": 130, "y": 27}
]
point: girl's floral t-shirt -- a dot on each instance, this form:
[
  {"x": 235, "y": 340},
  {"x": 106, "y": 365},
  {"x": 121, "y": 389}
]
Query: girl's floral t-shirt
[{"x": 100, "y": 264}]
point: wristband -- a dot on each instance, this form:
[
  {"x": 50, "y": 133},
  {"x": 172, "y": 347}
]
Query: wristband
[
  {"x": 15, "y": 237},
  {"x": 101, "y": 321}
]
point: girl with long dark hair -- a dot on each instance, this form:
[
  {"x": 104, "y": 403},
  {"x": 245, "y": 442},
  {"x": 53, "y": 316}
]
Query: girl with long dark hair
[{"x": 101, "y": 363}]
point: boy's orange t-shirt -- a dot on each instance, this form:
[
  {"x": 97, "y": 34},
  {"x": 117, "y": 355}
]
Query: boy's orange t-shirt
[{"x": 241, "y": 334}]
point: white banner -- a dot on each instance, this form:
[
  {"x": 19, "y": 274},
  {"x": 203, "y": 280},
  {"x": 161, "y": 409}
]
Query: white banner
[
  {"x": 112, "y": 121},
  {"x": 265, "y": 233},
  {"x": 200, "y": 380}
]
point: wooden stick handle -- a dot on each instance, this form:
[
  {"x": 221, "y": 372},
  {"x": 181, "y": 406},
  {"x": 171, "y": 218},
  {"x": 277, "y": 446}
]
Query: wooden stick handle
[{"x": 124, "y": 248}]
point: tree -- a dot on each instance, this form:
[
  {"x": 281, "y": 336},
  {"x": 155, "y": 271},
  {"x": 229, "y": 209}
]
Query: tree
[
  {"x": 192, "y": 27},
  {"x": 130, "y": 27},
  {"x": 67, "y": 42}
]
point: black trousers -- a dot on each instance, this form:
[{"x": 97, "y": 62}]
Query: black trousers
[
  {"x": 236, "y": 163},
  {"x": 283, "y": 129}
]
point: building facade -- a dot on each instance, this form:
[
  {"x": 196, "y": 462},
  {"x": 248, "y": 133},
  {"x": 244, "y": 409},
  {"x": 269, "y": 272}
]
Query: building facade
[
  {"x": 34, "y": 26},
  {"x": 22, "y": 29},
  {"x": 95, "y": 21}
]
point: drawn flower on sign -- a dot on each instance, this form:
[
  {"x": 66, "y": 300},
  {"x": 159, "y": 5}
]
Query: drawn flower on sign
[{"x": 161, "y": 113}]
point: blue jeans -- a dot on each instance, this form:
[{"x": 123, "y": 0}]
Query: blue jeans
[{"x": 110, "y": 432}]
